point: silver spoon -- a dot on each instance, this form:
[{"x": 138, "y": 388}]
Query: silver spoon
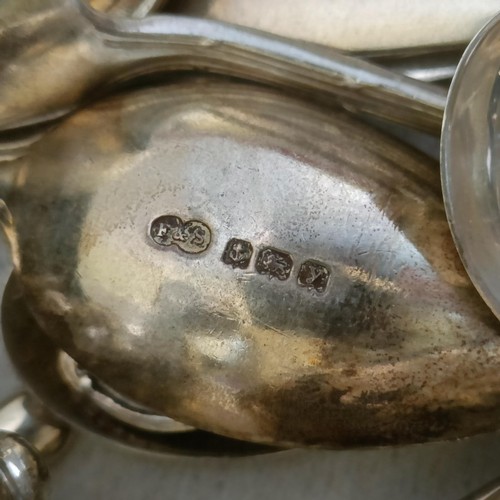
[
  {"x": 157, "y": 234},
  {"x": 246, "y": 263},
  {"x": 79, "y": 399}
]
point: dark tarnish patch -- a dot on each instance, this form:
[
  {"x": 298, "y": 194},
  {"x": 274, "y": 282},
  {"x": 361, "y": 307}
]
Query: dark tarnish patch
[
  {"x": 311, "y": 412},
  {"x": 380, "y": 398},
  {"x": 372, "y": 314}
]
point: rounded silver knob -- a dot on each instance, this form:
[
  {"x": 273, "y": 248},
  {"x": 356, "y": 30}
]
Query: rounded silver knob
[{"x": 23, "y": 476}]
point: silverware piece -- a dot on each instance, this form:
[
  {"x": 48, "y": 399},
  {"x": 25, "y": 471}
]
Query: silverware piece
[
  {"x": 82, "y": 320},
  {"x": 14, "y": 145},
  {"x": 22, "y": 474},
  {"x": 421, "y": 40},
  {"x": 469, "y": 162},
  {"x": 429, "y": 65},
  {"x": 45, "y": 368},
  {"x": 355, "y": 26},
  {"x": 246, "y": 263},
  {"x": 29, "y": 436},
  {"x": 92, "y": 51}
]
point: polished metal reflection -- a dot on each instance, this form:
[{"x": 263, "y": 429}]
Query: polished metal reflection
[
  {"x": 470, "y": 162},
  {"x": 29, "y": 435},
  {"x": 38, "y": 361},
  {"x": 490, "y": 491},
  {"x": 25, "y": 416},
  {"x": 56, "y": 53},
  {"x": 22, "y": 475},
  {"x": 15, "y": 144},
  {"x": 427, "y": 65},
  {"x": 330, "y": 308}
]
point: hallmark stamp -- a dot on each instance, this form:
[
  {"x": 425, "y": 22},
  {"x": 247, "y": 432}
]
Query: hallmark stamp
[
  {"x": 191, "y": 237},
  {"x": 313, "y": 276},
  {"x": 274, "y": 263},
  {"x": 238, "y": 253}
]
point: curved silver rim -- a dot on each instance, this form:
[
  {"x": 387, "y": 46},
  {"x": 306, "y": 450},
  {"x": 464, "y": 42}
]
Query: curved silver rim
[{"x": 471, "y": 205}]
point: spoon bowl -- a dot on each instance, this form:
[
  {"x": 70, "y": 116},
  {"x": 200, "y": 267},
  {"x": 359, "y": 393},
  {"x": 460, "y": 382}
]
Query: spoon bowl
[
  {"x": 38, "y": 361},
  {"x": 249, "y": 264}
]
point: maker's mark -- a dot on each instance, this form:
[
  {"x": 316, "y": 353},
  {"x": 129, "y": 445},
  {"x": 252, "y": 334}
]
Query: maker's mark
[{"x": 191, "y": 237}]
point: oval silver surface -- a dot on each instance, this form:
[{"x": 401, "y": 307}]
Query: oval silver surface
[{"x": 331, "y": 307}]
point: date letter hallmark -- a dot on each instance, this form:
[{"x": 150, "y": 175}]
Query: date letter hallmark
[
  {"x": 238, "y": 253},
  {"x": 313, "y": 276},
  {"x": 274, "y": 263},
  {"x": 191, "y": 237}
]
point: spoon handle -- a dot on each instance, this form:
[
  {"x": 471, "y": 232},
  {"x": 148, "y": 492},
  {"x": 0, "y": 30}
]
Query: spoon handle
[
  {"x": 81, "y": 51},
  {"x": 165, "y": 43}
]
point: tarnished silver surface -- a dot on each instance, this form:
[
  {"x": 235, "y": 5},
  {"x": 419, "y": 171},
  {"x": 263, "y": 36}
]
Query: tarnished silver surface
[
  {"x": 329, "y": 306},
  {"x": 55, "y": 53},
  {"x": 22, "y": 475},
  {"x": 93, "y": 467},
  {"x": 470, "y": 162},
  {"x": 355, "y": 25}
]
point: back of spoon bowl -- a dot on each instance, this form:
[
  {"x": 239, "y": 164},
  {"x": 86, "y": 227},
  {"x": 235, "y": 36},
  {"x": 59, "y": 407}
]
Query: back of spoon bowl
[{"x": 253, "y": 265}]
